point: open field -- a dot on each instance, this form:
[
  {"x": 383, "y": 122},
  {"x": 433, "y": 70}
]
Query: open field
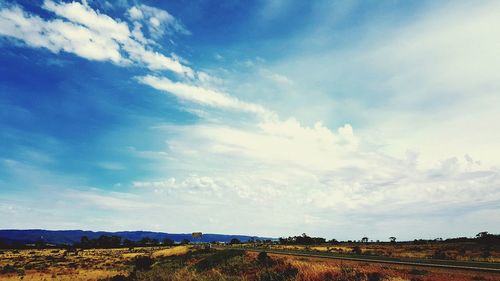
[
  {"x": 198, "y": 263},
  {"x": 88, "y": 264},
  {"x": 469, "y": 251}
]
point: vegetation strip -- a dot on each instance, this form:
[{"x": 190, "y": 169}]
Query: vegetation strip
[{"x": 488, "y": 267}]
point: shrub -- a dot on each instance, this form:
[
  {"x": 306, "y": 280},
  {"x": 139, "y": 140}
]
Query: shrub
[
  {"x": 143, "y": 263},
  {"x": 374, "y": 276},
  {"x": 8, "y": 269},
  {"x": 217, "y": 258},
  {"x": 284, "y": 274},
  {"x": 415, "y": 271},
  {"x": 119, "y": 278},
  {"x": 350, "y": 274},
  {"x": 357, "y": 250},
  {"x": 264, "y": 260},
  {"x": 440, "y": 255}
]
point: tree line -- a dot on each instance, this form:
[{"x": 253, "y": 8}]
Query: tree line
[{"x": 105, "y": 241}]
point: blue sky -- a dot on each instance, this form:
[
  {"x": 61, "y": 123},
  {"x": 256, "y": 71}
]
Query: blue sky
[{"x": 341, "y": 119}]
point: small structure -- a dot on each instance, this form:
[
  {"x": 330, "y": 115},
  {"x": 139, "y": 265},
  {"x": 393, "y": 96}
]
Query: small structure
[{"x": 196, "y": 235}]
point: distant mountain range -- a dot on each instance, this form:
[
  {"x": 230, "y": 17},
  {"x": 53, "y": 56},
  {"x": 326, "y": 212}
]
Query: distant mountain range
[{"x": 30, "y": 236}]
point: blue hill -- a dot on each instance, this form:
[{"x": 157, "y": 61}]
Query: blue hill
[{"x": 29, "y": 236}]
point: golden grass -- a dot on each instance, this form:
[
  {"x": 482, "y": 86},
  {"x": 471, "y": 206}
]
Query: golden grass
[
  {"x": 96, "y": 264},
  {"x": 312, "y": 270},
  {"x": 175, "y": 251},
  {"x": 77, "y": 275},
  {"x": 458, "y": 251}
]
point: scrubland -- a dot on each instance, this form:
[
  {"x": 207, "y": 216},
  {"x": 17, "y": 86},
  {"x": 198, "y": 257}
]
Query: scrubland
[
  {"x": 196, "y": 262},
  {"x": 443, "y": 251}
]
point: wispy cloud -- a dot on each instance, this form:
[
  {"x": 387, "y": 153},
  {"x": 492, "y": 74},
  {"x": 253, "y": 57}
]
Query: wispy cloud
[{"x": 201, "y": 95}]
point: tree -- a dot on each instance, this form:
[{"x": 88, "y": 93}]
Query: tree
[
  {"x": 40, "y": 243},
  {"x": 482, "y": 234},
  {"x": 333, "y": 241},
  {"x": 128, "y": 243},
  {"x": 487, "y": 238},
  {"x": 146, "y": 241},
  {"x": 235, "y": 241},
  {"x": 364, "y": 240},
  {"x": 168, "y": 242},
  {"x": 185, "y": 242},
  {"x": 108, "y": 241},
  {"x": 85, "y": 242},
  {"x": 392, "y": 239}
]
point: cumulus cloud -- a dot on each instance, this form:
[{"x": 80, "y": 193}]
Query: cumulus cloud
[
  {"x": 58, "y": 35},
  {"x": 316, "y": 170},
  {"x": 86, "y": 33}
]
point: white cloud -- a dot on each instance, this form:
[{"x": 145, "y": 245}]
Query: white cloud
[
  {"x": 200, "y": 95},
  {"x": 314, "y": 178},
  {"x": 276, "y": 77},
  {"x": 86, "y": 16},
  {"x": 89, "y": 34},
  {"x": 317, "y": 171},
  {"x": 135, "y": 13},
  {"x": 157, "y": 21},
  {"x": 57, "y": 35}
]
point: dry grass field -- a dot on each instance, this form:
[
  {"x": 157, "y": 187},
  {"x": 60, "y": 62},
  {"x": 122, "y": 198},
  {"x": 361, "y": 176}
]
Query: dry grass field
[
  {"x": 184, "y": 263},
  {"x": 449, "y": 251},
  {"x": 88, "y": 264}
]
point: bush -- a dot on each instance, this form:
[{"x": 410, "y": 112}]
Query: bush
[
  {"x": 418, "y": 272},
  {"x": 374, "y": 276},
  {"x": 264, "y": 260},
  {"x": 143, "y": 263},
  {"x": 118, "y": 278},
  {"x": 440, "y": 255},
  {"x": 8, "y": 269},
  {"x": 284, "y": 274},
  {"x": 357, "y": 250},
  {"x": 350, "y": 274},
  {"x": 218, "y": 258}
]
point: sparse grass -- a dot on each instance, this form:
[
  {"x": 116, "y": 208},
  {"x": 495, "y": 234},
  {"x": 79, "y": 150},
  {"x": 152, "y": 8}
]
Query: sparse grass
[
  {"x": 194, "y": 263},
  {"x": 174, "y": 251},
  {"x": 468, "y": 251}
]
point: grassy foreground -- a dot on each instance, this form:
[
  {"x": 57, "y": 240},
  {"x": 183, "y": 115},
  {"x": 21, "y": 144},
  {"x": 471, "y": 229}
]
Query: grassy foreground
[{"x": 196, "y": 263}]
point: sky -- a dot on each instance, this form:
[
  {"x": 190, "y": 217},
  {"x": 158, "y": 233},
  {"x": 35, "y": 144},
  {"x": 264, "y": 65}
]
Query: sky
[{"x": 339, "y": 119}]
